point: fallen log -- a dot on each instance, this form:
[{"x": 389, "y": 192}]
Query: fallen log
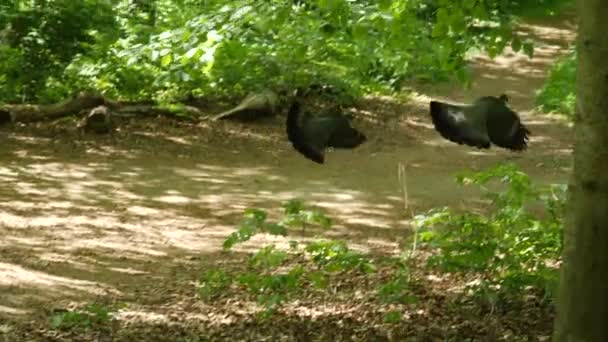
[
  {"x": 86, "y": 101},
  {"x": 31, "y": 113}
]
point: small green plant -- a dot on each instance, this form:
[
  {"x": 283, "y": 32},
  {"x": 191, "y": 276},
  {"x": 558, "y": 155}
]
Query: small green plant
[
  {"x": 393, "y": 317},
  {"x": 272, "y": 278},
  {"x": 335, "y": 256},
  {"x": 297, "y": 214},
  {"x": 254, "y": 222},
  {"x": 273, "y": 289},
  {"x": 558, "y": 95},
  {"x": 396, "y": 290},
  {"x": 294, "y": 213},
  {"x": 212, "y": 283},
  {"x": 268, "y": 257},
  {"x": 511, "y": 247},
  {"x": 85, "y": 318}
]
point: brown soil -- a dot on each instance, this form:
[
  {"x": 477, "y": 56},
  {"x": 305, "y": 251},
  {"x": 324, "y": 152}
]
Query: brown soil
[{"x": 135, "y": 217}]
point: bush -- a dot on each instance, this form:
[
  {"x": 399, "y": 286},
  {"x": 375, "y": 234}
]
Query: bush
[
  {"x": 512, "y": 248},
  {"x": 558, "y": 95},
  {"x": 229, "y": 48}
]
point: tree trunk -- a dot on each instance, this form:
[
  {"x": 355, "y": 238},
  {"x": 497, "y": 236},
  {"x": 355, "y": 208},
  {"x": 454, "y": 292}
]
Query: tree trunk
[{"x": 582, "y": 311}]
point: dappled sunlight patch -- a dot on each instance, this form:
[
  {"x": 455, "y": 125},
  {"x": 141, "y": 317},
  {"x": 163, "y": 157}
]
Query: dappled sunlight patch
[
  {"x": 178, "y": 140},
  {"x": 15, "y": 275},
  {"x": 6, "y": 310},
  {"x": 19, "y": 205},
  {"x": 368, "y": 222},
  {"x": 29, "y": 140},
  {"x": 8, "y": 173},
  {"x": 173, "y": 199},
  {"x": 50, "y": 220},
  {"x": 388, "y": 247},
  {"x": 54, "y": 257},
  {"x": 107, "y": 151},
  {"x": 144, "y": 211},
  {"x": 128, "y": 270},
  {"x": 25, "y": 241},
  {"x": 564, "y": 32},
  {"x": 412, "y": 122},
  {"x": 320, "y": 310},
  {"x": 480, "y": 153},
  {"x": 241, "y": 133},
  {"x": 118, "y": 245},
  {"x": 142, "y": 316}
]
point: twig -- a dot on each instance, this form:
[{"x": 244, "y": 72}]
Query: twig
[{"x": 402, "y": 174}]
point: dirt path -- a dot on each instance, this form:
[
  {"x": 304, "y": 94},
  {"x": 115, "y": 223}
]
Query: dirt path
[{"x": 116, "y": 217}]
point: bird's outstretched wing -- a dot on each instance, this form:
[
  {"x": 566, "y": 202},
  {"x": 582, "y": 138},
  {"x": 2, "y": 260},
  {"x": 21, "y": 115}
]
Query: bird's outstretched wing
[
  {"x": 459, "y": 124},
  {"x": 312, "y": 134}
]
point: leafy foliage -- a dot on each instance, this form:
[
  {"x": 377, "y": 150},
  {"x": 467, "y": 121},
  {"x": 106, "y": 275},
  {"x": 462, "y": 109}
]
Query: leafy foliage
[
  {"x": 396, "y": 290},
  {"x": 512, "y": 247},
  {"x": 90, "y": 315},
  {"x": 559, "y": 92},
  {"x": 40, "y": 40},
  {"x": 336, "y": 256},
  {"x": 164, "y": 49},
  {"x": 212, "y": 283},
  {"x": 295, "y": 213},
  {"x": 275, "y": 275}
]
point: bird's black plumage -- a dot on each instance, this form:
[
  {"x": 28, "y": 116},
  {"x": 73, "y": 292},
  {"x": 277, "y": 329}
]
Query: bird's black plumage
[
  {"x": 312, "y": 134},
  {"x": 485, "y": 122}
]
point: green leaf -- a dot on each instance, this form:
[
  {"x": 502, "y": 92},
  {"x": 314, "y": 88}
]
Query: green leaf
[
  {"x": 528, "y": 49},
  {"x": 275, "y": 229},
  {"x": 516, "y": 44},
  {"x": 360, "y": 32},
  {"x": 192, "y": 53},
  {"x": 393, "y": 317},
  {"x": 319, "y": 280},
  {"x": 329, "y": 4},
  {"x": 384, "y": 4},
  {"x": 166, "y": 60},
  {"x": 165, "y": 35}
]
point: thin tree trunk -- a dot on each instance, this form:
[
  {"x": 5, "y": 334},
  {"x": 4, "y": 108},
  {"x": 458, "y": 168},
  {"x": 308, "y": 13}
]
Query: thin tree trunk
[{"x": 582, "y": 312}]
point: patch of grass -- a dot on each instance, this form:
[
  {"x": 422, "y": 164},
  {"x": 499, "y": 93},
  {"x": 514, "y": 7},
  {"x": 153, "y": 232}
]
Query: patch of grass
[{"x": 558, "y": 95}]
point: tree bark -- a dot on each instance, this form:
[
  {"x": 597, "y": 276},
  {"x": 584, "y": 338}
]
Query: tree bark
[{"x": 582, "y": 310}]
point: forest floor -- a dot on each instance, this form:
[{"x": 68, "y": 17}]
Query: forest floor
[{"x": 135, "y": 218}]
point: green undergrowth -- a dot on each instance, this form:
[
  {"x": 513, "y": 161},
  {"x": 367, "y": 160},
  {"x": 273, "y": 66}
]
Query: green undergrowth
[
  {"x": 511, "y": 248},
  {"x": 558, "y": 94}
]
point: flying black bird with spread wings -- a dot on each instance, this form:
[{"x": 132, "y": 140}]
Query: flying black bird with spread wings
[
  {"x": 487, "y": 121},
  {"x": 311, "y": 134}
]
